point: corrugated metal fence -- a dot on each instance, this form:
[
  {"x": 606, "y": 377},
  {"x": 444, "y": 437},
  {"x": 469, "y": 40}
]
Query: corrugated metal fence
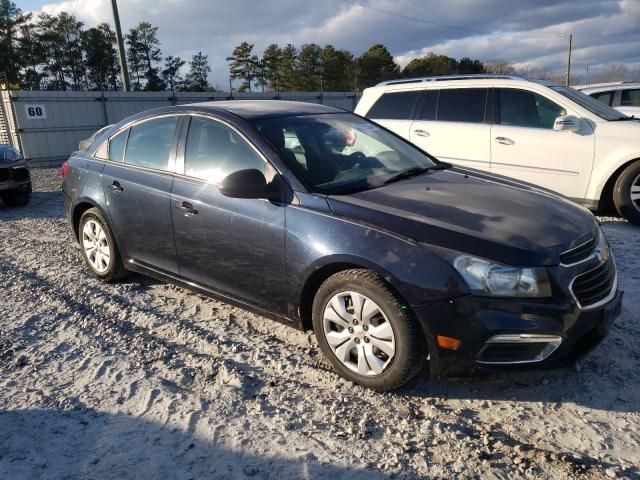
[{"x": 47, "y": 126}]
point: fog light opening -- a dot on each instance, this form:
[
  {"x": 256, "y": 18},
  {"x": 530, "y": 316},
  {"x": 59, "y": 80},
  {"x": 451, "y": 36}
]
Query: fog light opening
[{"x": 448, "y": 343}]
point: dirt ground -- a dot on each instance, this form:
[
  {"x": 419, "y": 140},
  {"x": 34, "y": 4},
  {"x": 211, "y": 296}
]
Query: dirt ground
[{"x": 142, "y": 379}]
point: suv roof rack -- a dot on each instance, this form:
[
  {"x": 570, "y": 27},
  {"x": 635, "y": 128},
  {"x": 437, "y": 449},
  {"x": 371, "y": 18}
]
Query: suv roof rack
[{"x": 440, "y": 78}]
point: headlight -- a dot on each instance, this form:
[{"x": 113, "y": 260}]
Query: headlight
[{"x": 488, "y": 278}]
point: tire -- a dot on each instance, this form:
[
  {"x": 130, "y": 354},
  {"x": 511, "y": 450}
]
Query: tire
[
  {"x": 94, "y": 231},
  {"x": 13, "y": 198},
  {"x": 391, "y": 324},
  {"x": 628, "y": 184}
]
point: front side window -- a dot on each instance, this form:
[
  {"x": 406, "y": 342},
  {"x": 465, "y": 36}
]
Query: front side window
[
  {"x": 150, "y": 143},
  {"x": 214, "y": 150},
  {"x": 522, "y": 108},
  {"x": 630, "y": 98},
  {"x": 394, "y": 106},
  {"x": 117, "y": 145},
  {"x": 462, "y": 105},
  {"x": 604, "y": 97},
  {"x": 341, "y": 153}
]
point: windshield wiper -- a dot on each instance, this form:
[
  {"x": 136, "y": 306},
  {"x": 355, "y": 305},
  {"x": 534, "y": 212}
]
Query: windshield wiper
[
  {"x": 410, "y": 172},
  {"x": 624, "y": 119}
]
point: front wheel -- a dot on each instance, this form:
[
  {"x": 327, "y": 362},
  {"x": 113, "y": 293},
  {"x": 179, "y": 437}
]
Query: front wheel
[
  {"x": 626, "y": 193},
  {"x": 99, "y": 250},
  {"x": 367, "y": 333},
  {"x": 12, "y": 198}
]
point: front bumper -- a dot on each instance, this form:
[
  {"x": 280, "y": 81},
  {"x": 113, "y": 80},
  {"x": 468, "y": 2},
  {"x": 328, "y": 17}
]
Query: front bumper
[
  {"x": 15, "y": 176},
  {"x": 475, "y": 321}
]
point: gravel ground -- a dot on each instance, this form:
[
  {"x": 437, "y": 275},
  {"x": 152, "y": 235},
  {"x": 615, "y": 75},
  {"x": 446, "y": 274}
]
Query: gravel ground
[{"x": 147, "y": 380}]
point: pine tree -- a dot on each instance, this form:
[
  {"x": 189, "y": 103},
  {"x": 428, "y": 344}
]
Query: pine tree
[
  {"x": 197, "y": 77},
  {"x": 143, "y": 54},
  {"x": 289, "y": 68},
  {"x": 309, "y": 68},
  {"x": 11, "y": 20},
  {"x": 243, "y": 65},
  {"x": 99, "y": 45},
  {"x": 171, "y": 72},
  {"x": 376, "y": 65},
  {"x": 271, "y": 64}
]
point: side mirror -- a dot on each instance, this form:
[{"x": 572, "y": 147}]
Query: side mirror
[
  {"x": 567, "y": 123},
  {"x": 248, "y": 183}
]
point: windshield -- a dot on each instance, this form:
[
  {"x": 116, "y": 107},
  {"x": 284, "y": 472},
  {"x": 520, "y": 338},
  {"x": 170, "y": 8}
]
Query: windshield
[
  {"x": 341, "y": 153},
  {"x": 594, "y": 106}
]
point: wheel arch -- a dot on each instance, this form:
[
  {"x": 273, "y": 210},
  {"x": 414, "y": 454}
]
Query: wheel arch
[
  {"x": 79, "y": 209},
  {"x": 606, "y": 194}
]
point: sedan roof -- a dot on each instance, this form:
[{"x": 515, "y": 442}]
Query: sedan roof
[{"x": 252, "y": 109}]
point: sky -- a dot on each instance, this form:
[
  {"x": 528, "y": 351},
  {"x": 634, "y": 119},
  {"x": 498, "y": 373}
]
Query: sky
[{"x": 526, "y": 33}]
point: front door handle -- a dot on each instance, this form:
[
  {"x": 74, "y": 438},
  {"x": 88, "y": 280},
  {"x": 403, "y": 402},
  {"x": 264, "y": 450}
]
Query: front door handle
[
  {"x": 187, "y": 208},
  {"x": 421, "y": 133},
  {"x": 115, "y": 186},
  {"x": 504, "y": 141}
]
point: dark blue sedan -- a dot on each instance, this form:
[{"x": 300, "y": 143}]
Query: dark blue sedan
[{"x": 322, "y": 219}]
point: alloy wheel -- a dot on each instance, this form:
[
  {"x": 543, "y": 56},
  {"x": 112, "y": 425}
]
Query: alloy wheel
[
  {"x": 635, "y": 192},
  {"x": 96, "y": 246},
  {"x": 358, "y": 333}
]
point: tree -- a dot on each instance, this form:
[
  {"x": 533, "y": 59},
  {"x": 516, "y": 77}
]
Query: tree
[
  {"x": 143, "y": 54},
  {"x": 197, "y": 77},
  {"x": 30, "y": 54},
  {"x": 337, "y": 69},
  {"x": 499, "y": 67},
  {"x": 376, "y": 65},
  {"x": 466, "y": 65},
  {"x": 51, "y": 43},
  {"x": 171, "y": 72},
  {"x": 11, "y": 20},
  {"x": 243, "y": 65},
  {"x": 614, "y": 73},
  {"x": 309, "y": 68},
  {"x": 101, "y": 59},
  {"x": 271, "y": 66},
  {"x": 289, "y": 68}
]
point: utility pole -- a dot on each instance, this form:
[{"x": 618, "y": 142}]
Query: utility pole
[
  {"x": 569, "y": 61},
  {"x": 121, "y": 52}
]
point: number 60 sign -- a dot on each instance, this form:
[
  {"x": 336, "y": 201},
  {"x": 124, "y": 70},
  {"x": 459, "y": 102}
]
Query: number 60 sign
[{"x": 35, "y": 112}]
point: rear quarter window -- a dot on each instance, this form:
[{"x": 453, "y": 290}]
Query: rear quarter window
[{"x": 394, "y": 106}]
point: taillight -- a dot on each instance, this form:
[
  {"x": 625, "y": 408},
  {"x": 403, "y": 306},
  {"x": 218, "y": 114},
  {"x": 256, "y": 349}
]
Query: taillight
[{"x": 64, "y": 169}]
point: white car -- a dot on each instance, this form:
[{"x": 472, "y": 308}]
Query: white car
[
  {"x": 623, "y": 96},
  {"x": 549, "y": 135}
]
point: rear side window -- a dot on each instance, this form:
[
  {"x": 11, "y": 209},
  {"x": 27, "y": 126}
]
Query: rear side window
[
  {"x": 394, "y": 106},
  {"x": 117, "y": 145},
  {"x": 429, "y": 105},
  {"x": 462, "y": 105},
  {"x": 522, "y": 108},
  {"x": 604, "y": 97},
  {"x": 214, "y": 150},
  {"x": 150, "y": 143},
  {"x": 630, "y": 98}
]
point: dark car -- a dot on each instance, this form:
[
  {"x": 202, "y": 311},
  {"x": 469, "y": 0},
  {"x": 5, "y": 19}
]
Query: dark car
[
  {"x": 392, "y": 257},
  {"x": 15, "y": 178}
]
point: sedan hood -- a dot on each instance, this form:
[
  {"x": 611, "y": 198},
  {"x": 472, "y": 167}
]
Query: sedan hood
[{"x": 472, "y": 212}]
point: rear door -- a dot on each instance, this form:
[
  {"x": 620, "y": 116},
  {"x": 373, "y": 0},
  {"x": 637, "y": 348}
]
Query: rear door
[
  {"x": 453, "y": 124},
  {"x": 525, "y": 146},
  {"x": 137, "y": 182},
  {"x": 232, "y": 245}
]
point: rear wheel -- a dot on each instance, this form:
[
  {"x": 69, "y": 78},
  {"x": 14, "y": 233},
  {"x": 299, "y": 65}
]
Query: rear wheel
[
  {"x": 13, "y": 198},
  {"x": 626, "y": 193},
  {"x": 99, "y": 250},
  {"x": 366, "y": 332}
]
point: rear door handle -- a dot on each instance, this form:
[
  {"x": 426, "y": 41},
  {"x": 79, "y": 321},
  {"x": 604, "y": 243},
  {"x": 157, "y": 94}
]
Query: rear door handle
[
  {"x": 115, "y": 186},
  {"x": 504, "y": 141},
  {"x": 421, "y": 133},
  {"x": 187, "y": 208}
]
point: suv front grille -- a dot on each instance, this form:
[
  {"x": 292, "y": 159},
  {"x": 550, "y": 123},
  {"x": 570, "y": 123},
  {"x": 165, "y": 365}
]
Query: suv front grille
[
  {"x": 4, "y": 174},
  {"x": 595, "y": 285},
  {"x": 20, "y": 174},
  {"x": 578, "y": 254}
]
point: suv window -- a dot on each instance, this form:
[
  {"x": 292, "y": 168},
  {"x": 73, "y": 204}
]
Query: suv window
[
  {"x": 394, "y": 106},
  {"x": 150, "y": 143},
  {"x": 215, "y": 150},
  {"x": 522, "y": 108},
  {"x": 429, "y": 105},
  {"x": 630, "y": 98},
  {"x": 117, "y": 145},
  {"x": 462, "y": 105},
  {"x": 604, "y": 97}
]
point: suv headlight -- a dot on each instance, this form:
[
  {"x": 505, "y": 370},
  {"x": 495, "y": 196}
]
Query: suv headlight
[{"x": 489, "y": 278}]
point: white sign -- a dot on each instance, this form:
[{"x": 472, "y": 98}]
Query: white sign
[{"x": 35, "y": 111}]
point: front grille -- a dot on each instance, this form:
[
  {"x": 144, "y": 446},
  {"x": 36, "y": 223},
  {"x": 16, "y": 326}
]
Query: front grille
[
  {"x": 20, "y": 174},
  {"x": 4, "y": 174},
  {"x": 594, "y": 285},
  {"x": 578, "y": 254}
]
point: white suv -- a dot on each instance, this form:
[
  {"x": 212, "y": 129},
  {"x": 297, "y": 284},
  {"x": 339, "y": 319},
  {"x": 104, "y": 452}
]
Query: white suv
[
  {"x": 623, "y": 96},
  {"x": 549, "y": 135}
]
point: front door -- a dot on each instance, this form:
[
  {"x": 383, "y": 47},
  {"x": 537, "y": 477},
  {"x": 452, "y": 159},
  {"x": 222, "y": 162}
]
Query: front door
[
  {"x": 234, "y": 246},
  {"x": 525, "y": 146},
  {"x": 453, "y": 126},
  {"x": 137, "y": 183}
]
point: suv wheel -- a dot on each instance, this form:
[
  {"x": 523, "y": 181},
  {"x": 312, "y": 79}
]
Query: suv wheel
[
  {"x": 364, "y": 330},
  {"x": 99, "y": 250},
  {"x": 626, "y": 193},
  {"x": 12, "y": 198}
]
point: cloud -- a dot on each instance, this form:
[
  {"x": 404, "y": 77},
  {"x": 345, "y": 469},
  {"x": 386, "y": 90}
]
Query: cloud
[{"x": 527, "y": 33}]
